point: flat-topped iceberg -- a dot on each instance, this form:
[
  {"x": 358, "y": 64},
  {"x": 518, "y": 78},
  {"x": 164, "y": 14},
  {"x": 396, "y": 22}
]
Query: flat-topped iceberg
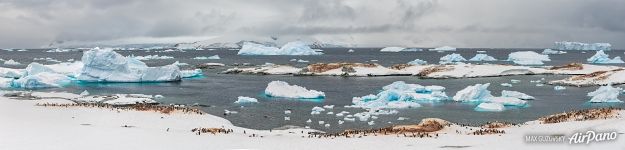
[
  {"x": 400, "y": 95},
  {"x": 41, "y": 80},
  {"x": 605, "y": 94},
  {"x": 291, "y": 48},
  {"x": 106, "y": 65},
  {"x": 444, "y": 48},
  {"x": 582, "y": 46},
  {"x": 450, "y": 58},
  {"x": 602, "y": 58},
  {"x": 482, "y": 57},
  {"x": 392, "y": 49},
  {"x": 283, "y": 89},
  {"x": 528, "y": 58},
  {"x": 495, "y": 107},
  {"x": 550, "y": 52},
  {"x": 516, "y": 94},
  {"x": 209, "y": 57}
]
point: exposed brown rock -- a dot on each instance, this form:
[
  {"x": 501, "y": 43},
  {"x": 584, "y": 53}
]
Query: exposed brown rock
[
  {"x": 571, "y": 66},
  {"x": 400, "y": 66},
  {"x": 323, "y": 67},
  {"x": 433, "y": 69}
]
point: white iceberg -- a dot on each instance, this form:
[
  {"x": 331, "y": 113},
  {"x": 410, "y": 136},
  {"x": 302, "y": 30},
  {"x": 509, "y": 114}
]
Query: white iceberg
[
  {"x": 528, "y": 58},
  {"x": 400, "y": 95},
  {"x": 551, "y": 52},
  {"x": 351, "y": 51},
  {"x": 11, "y": 62},
  {"x": 10, "y": 73},
  {"x": 209, "y": 57},
  {"x": 602, "y": 58},
  {"x": 283, "y": 89},
  {"x": 477, "y": 92},
  {"x": 392, "y": 49},
  {"x": 495, "y": 107},
  {"x": 244, "y": 99},
  {"x": 516, "y": 94},
  {"x": 291, "y": 48},
  {"x": 450, "y": 58},
  {"x": 605, "y": 94},
  {"x": 482, "y": 57},
  {"x": 582, "y": 46},
  {"x": 418, "y": 62},
  {"x": 36, "y": 68},
  {"x": 559, "y": 88},
  {"x": 106, "y": 65},
  {"x": 444, "y": 48},
  {"x": 6, "y": 82}
]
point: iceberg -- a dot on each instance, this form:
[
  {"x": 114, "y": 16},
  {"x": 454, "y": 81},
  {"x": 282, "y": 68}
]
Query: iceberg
[
  {"x": 283, "y": 89},
  {"x": 10, "y": 73},
  {"x": 291, "y": 48},
  {"x": 210, "y": 57},
  {"x": 444, "y": 48},
  {"x": 516, "y": 94},
  {"x": 418, "y": 62},
  {"x": 400, "y": 95},
  {"x": 482, "y": 57},
  {"x": 6, "y": 82},
  {"x": 477, "y": 92},
  {"x": 106, "y": 65},
  {"x": 244, "y": 99},
  {"x": 528, "y": 58},
  {"x": 392, "y": 49},
  {"x": 41, "y": 80},
  {"x": 452, "y": 58},
  {"x": 605, "y": 94},
  {"x": 36, "y": 68},
  {"x": 582, "y": 46},
  {"x": 151, "y": 57},
  {"x": 495, "y": 107},
  {"x": 351, "y": 51},
  {"x": 191, "y": 73},
  {"x": 550, "y": 52},
  {"x": 559, "y": 88},
  {"x": 11, "y": 62},
  {"x": 602, "y": 58}
]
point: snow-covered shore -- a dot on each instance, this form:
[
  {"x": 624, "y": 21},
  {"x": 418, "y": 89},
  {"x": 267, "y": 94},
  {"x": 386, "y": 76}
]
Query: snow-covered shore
[{"x": 26, "y": 126}]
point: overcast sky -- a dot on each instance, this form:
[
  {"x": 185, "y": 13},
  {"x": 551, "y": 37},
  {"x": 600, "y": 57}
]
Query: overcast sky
[{"x": 423, "y": 23}]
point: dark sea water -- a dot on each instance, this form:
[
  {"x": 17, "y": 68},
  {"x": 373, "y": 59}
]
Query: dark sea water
[{"x": 219, "y": 91}]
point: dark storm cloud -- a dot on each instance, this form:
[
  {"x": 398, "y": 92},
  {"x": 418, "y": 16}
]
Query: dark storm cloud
[{"x": 476, "y": 23}]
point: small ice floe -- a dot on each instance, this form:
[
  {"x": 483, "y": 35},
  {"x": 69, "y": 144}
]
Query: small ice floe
[
  {"x": 287, "y": 118},
  {"x": 286, "y": 112},
  {"x": 321, "y": 122},
  {"x": 350, "y": 119},
  {"x": 191, "y": 73},
  {"x": 540, "y": 84},
  {"x": 451, "y": 58},
  {"x": 327, "y": 125},
  {"x": 293, "y": 59},
  {"x": 371, "y": 123},
  {"x": 230, "y": 112},
  {"x": 302, "y": 61},
  {"x": 373, "y": 60},
  {"x": 496, "y": 107},
  {"x": 559, "y": 88},
  {"x": 350, "y": 51},
  {"x": 528, "y": 58},
  {"x": 316, "y": 110},
  {"x": 418, "y": 62},
  {"x": 552, "y": 52},
  {"x": 506, "y": 84},
  {"x": 178, "y": 63},
  {"x": 214, "y": 57},
  {"x": 443, "y": 48},
  {"x": 605, "y": 94},
  {"x": 244, "y": 99},
  {"x": 283, "y": 89},
  {"x": 11, "y": 62},
  {"x": 159, "y": 96},
  {"x": 291, "y": 48},
  {"x": 602, "y": 58},
  {"x": 308, "y": 121},
  {"x": 402, "y": 118},
  {"x": 328, "y": 106},
  {"x": 516, "y": 94},
  {"x": 151, "y": 57},
  {"x": 330, "y": 113},
  {"x": 482, "y": 57},
  {"x": 341, "y": 122},
  {"x": 515, "y": 81}
]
